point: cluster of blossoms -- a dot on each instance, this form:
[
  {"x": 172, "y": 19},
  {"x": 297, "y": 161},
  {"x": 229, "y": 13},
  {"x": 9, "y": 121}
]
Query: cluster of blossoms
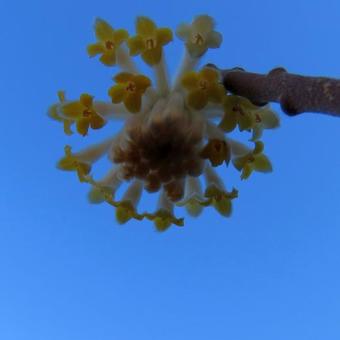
[{"x": 174, "y": 133}]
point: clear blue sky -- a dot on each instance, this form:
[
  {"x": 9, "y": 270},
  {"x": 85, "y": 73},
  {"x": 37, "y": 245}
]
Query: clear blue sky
[{"x": 68, "y": 272}]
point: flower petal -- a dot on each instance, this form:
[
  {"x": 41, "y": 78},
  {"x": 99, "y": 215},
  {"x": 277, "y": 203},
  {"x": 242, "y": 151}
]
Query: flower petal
[
  {"x": 153, "y": 56},
  {"x": 119, "y": 36},
  {"x": 86, "y": 100},
  {"x": 83, "y": 126},
  {"x": 136, "y": 45},
  {"x": 228, "y": 122},
  {"x": 214, "y": 39},
  {"x": 97, "y": 122},
  {"x": 103, "y": 30},
  {"x": 164, "y": 36},
  {"x": 108, "y": 58},
  {"x": 117, "y": 93},
  {"x": 133, "y": 102},
  {"x": 141, "y": 82},
  {"x": 184, "y": 31},
  {"x": 72, "y": 109},
  {"x": 262, "y": 163},
  {"x": 203, "y": 24},
  {"x": 190, "y": 80},
  {"x": 123, "y": 77},
  {"x": 197, "y": 99},
  {"x": 94, "y": 49},
  {"x": 145, "y": 26}
]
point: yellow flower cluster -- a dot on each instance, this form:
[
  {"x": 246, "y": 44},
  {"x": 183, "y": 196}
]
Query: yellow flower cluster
[{"x": 175, "y": 132}]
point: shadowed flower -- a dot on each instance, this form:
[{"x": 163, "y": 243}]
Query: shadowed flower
[
  {"x": 108, "y": 41},
  {"x": 149, "y": 40},
  {"x": 217, "y": 151},
  {"x": 199, "y": 36},
  {"x": 180, "y": 134},
  {"x": 129, "y": 90},
  {"x": 203, "y": 87}
]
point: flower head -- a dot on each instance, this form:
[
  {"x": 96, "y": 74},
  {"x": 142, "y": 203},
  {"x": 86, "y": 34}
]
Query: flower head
[
  {"x": 129, "y": 90},
  {"x": 108, "y": 41},
  {"x": 174, "y": 133},
  {"x": 203, "y": 87},
  {"x": 199, "y": 36},
  {"x": 149, "y": 40}
]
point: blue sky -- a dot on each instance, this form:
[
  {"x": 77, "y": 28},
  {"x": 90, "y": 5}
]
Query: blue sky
[{"x": 68, "y": 271}]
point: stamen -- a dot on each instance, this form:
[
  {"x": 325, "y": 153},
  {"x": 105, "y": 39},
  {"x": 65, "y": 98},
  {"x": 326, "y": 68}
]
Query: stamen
[
  {"x": 198, "y": 39},
  {"x": 109, "y": 45}
]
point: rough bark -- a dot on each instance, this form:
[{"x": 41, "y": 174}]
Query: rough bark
[{"x": 295, "y": 93}]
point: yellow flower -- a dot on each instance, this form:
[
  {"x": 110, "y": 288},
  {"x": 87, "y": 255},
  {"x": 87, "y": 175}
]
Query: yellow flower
[
  {"x": 217, "y": 151},
  {"x": 149, "y": 40},
  {"x": 237, "y": 112},
  {"x": 129, "y": 90},
  {"x": 199, "y": 36},
  {"x": 83, "y": 113},
  {"x": 108, "y": 40},
  {"x": 71, "y": 163},
  {"x": 264, "y": 118},
  {"x": 253, "y": 161},
  {"x": 203, "y": 87},
  {"x": 53, "y": 113},
  {"x": 220, "y": 199}
]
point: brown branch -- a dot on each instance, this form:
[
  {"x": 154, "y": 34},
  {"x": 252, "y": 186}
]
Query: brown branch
[{"x": 295, "y": 93}]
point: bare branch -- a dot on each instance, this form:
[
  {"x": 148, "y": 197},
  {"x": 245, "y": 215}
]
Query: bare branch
[{"x": 295, "y": 93}]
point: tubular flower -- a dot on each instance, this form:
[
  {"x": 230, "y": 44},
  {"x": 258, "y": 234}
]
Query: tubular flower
[
  {"x": 253, "y": 161},
  {"x": 83, "y": 113},
  {"x": 173, "y": 133},
  {"x": 149, "y": 40},
  {"x": 199, "y": 36},
  {"x": 203, "y": 87},
  {"x": 108, "y": 41},
  {"x": 129, "y": 90}
]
